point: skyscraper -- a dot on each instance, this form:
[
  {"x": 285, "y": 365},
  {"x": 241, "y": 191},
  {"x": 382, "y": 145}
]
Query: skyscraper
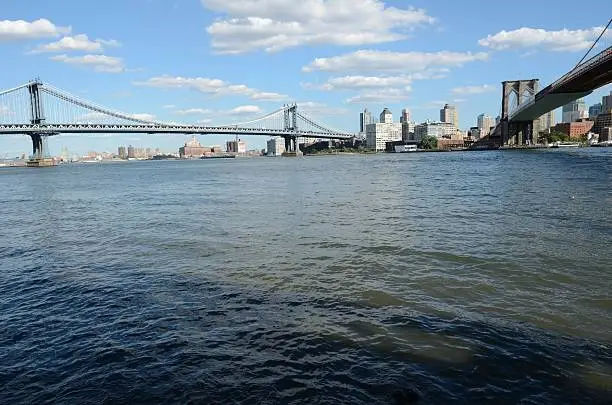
[
  {"x": 595, "y": 110},
  {"x": 386, "y": 117},
  {"x": 365, "y": 118},
  {"x": 450, "y": 115},
  {"x": 606, "y": 104},
  {"x": 574, "y": 110},
  {"x": 484, "y": 124},
  {"x": 547, "y": 121},
  {"x": 405, "y": 117}
]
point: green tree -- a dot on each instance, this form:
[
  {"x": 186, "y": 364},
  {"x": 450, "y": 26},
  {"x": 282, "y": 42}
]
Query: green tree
[{"x": 428, "y": 142}]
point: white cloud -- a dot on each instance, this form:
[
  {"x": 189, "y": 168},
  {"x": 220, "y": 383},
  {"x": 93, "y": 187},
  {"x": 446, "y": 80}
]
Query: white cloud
[
  {"x": 20, "y": 30},
  {"x": 467, "y": 90},
  {"x": 273, "y": 25},
  {"x": 193, "y": 111},
  {"x": 99, "y": 63},
  {"x": 169, "y": 106},
  {"x": 381, "y": 96},
  {"x": 373, "y": 82},
  {"x": 75, "y": 43},
  {"x": 210, "y": 86},
  {"x": 268, "y": 96},
  {"x": 144, "y": 117},
  {"x": 245, "y": 109},
  {"x": 320, "y": 109},
  {"x": 387, "y": 61},
  {"x": 558, "y": 41}
]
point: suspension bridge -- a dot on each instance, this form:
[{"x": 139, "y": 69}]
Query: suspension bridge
[{"x": 41, "y": 110}]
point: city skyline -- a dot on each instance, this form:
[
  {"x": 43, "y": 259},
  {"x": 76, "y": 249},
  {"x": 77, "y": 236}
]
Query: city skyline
[{"x": 416, "y": 58}]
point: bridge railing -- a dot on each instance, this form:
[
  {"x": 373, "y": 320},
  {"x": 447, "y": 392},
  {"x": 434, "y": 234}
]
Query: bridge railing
[{"x": 595, "y": 60}]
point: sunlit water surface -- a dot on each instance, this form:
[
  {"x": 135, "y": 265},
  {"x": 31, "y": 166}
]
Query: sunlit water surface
[{"x": 435, "y": 278}]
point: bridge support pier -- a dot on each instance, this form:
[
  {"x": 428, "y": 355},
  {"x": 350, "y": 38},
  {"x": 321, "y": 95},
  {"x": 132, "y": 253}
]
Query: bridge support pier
[
  {"x": 514, "y": 93},
  {"x": 520, "y": 133}
]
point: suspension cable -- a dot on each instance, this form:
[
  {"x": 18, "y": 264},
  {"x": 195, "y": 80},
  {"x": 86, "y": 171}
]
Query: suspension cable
[{"x": 594, "y": 43}]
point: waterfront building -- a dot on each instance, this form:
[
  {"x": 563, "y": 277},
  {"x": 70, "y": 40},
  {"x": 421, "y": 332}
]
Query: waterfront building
[
  {"x": 436, "y": 129},
  {"x": 606, "y": 135},
  {"x": 602, "y": 122},
  {"x": 474, "y": 133},
  {"x": 408, "y": 130},
  {"x": 606, "y": 104},
  {"x": 574, "y": 129},
  {"x": 193, "y": 148},
  {"x": 365, "y": 118},
  {"x": 595, "y": 110},
  {"x": 484, "y": 123},
  {"x": 275, "y": 146},
  {"x": 131, "y": 153},
  {"x": 405, "y": 117},
  {"x": 449, "y": 114},
  {"x": 377, "y": 135},
  {"x": 386, "y": 117},
  {"x": 121, "y": 152},
  {"x": 574, "y": 110},
  {"x": 237, "y": 146}
]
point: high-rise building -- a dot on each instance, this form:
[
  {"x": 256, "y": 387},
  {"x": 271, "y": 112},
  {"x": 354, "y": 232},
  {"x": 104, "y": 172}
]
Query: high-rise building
[
  {"x": 547, "y": 121},
  {"x": 436, "y": 129},
  {"x": 606, "y": 104},
  {"x": 595, "y": 110},
  {"x": 449, "y": 114},
  {"x": 365, "y": 118},
  {"x": 408, "y": 130},
  {"x": 377, "y": 135},
  {"x": 386, "y": 117},
  {"x": 275, "y": 146},
  {"x": 121, "y": 152},
  {"x": 574, "y": 110},
  {"x": 405, "y": 117},
  {"x": 237, "y": 146},
  {"x": 131, "y": 152},
  {"x": 484, "y": 123}
]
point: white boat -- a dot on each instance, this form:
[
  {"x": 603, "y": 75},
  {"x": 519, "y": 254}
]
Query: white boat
[{"x": 565, "y": 145}]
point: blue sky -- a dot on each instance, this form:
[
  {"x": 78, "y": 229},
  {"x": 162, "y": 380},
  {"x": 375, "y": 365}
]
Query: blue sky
[{"x": 220, "y": 61}]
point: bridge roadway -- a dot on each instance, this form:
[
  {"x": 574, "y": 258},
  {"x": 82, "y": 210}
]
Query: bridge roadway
[
  {"x": 56, "y": 129},
  {"x": 579, "y": 82}
]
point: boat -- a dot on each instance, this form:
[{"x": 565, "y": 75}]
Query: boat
[
  {"x": 565, "y": 145},
  {"x": 602, "y": 144},
  {"x": 41, "y": 162}
]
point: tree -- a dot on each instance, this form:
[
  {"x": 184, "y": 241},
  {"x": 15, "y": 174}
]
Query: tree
[{"x": 428, "y": 142}]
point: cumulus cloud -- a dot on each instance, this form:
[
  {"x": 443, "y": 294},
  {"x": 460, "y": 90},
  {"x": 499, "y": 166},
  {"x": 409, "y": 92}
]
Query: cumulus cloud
[
  {"x": 21, "y": 30},
  {"x": 193, "y": 111},
  {"x": 245, "y": 109},
  {"x": 467, "y": 90},
  {"x": 75, "y": 43},
  {"x": 387, "y": 61},
  {"x": 144, "y": 117},
  {"x": 381, "y": 96},
  {"x": 210, "y": 86},
  {"x": 557, "y": 41},
  {"x": 273, "y": 25},
  {"x": 99, "y": 63},
  {"x": 321, "y": 109}
]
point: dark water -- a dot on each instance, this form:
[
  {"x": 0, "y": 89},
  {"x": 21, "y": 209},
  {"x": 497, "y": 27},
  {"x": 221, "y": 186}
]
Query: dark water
[{"x": 418, "y": 278}]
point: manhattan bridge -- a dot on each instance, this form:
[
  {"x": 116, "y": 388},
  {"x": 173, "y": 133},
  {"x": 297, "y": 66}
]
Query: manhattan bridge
[{"x": 40, "y": 110}]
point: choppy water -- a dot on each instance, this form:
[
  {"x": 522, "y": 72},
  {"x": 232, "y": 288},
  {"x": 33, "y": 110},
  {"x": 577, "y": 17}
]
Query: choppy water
[{"x": 418, "y": 278}]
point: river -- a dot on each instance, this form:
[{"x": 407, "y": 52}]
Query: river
[{"x": 429, "y": 278}]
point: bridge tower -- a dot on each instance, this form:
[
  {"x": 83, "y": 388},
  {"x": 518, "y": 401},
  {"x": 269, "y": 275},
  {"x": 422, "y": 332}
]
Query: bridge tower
[
  {"x": 517, "y": 133},
  {"x": 37, "y": 115},
  {"x": 290, "y": 115}
]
